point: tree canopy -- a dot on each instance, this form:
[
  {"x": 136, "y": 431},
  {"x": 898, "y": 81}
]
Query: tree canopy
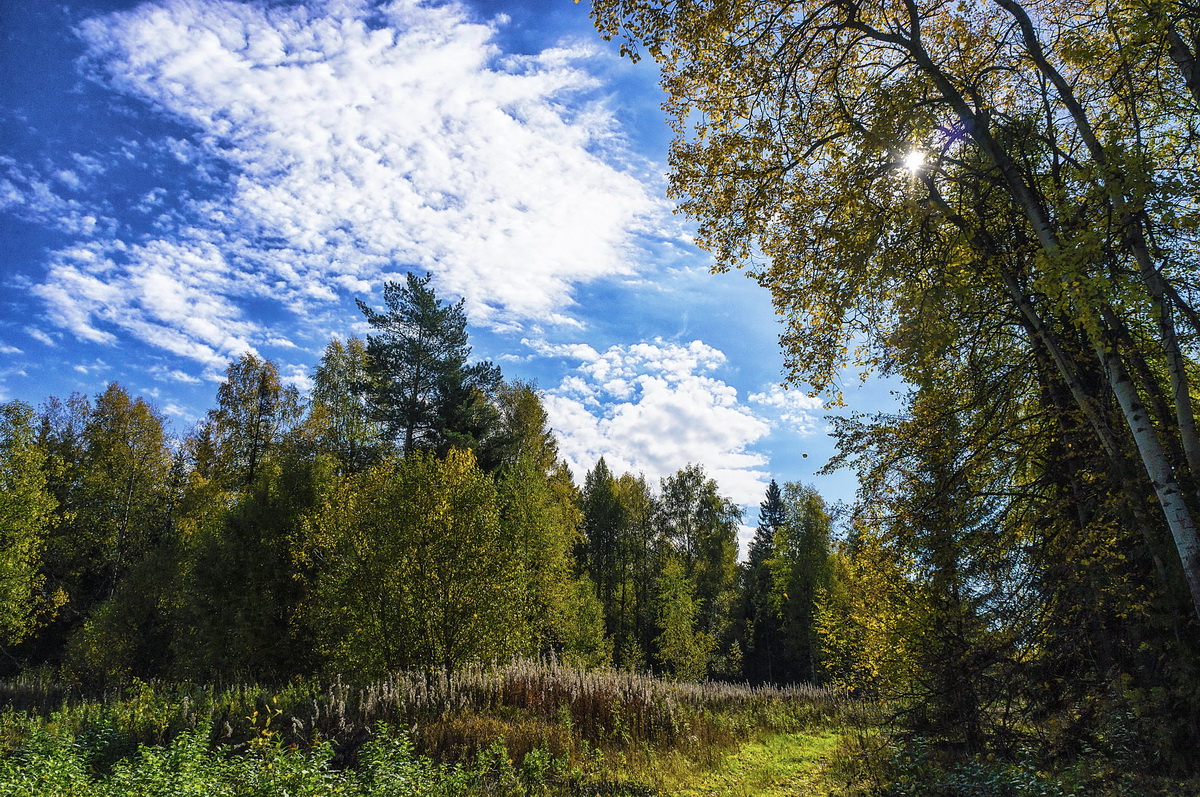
[
  {"x": 425, "y": 392},
  {"x": 994, "y": 203},
  {"x": 892, "y": 170}
]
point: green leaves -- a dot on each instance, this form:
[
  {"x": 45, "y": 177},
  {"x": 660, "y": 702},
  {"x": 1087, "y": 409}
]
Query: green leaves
[
  {"x": 254, "y": 411},
  {"x": 422, "y": 389},
  {"x": 411, "y": 568},
  {"x": 26, "y": 508}
]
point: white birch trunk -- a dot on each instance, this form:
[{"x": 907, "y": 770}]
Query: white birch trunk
[{"x": 1158, "y": 468}]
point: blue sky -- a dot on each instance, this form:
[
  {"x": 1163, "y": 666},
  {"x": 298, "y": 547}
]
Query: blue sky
[{"x": 182, "y": 181}]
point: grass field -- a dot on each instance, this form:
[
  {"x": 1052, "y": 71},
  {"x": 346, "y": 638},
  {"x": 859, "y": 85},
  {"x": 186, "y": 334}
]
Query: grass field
[
  {"x": 782, "y": 765},
  {"x": 525, "y": 729}
]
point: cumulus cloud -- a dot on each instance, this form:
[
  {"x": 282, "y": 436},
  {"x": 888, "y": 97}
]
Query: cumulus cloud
[
  {"x": 357, "y": 141},
  {"x": 298, "y": 376},
  {"x": 652, "y": 408}
]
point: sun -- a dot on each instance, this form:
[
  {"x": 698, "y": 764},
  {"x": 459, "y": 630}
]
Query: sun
[{"x": 914, "y": 161}]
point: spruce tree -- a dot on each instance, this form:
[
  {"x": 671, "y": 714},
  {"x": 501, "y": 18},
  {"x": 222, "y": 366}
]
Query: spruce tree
[{"x": 762, "y": 630}]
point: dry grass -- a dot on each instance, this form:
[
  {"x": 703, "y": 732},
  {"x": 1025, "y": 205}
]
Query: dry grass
[{"x": 573, "y": 716}]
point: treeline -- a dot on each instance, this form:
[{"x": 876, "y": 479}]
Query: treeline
[{"x": 412, "y": 512}]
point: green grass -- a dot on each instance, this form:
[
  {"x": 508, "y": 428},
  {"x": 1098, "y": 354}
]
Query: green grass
[
  {"x": 780, "y": 765},
  {"x": 523, "y": 729}
]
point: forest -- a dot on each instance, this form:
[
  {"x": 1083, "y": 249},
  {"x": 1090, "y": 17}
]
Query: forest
[
  {"x": 411, "y": 513},
  {"x": 996, "y": 204},
  {"x": 993, "y": 203}
]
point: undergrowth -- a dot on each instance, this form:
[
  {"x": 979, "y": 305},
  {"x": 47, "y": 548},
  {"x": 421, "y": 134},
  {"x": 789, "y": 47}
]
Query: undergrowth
[
  {"x": 525, "y": 728},
  {"x": 870, "y": 761}
]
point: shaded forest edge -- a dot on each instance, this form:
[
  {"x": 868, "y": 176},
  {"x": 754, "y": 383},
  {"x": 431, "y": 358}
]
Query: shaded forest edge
[{"x": 522, "y": 729}]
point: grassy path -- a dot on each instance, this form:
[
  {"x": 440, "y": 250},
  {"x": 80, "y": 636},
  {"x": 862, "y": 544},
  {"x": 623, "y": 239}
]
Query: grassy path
[{"x": 778, "y": 766}]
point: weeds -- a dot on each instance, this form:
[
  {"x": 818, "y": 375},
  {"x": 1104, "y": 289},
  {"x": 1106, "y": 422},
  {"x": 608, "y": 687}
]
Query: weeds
[{"x": 524, "y": 728}]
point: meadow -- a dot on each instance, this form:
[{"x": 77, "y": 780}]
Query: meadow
[{"x": 521, "y": 729}]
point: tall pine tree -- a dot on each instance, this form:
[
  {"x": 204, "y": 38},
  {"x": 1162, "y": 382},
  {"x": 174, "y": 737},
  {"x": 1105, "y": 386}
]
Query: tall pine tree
[{"x": 422, "y": 388}]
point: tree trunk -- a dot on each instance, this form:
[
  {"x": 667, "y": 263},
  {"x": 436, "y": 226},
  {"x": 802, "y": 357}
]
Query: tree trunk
[
  {"x": 1183, "y": 57},
  {"x": 1158, "y": 468}
]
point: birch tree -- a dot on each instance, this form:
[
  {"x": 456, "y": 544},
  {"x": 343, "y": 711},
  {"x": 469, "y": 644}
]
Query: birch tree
[
  {"x": 845, "y": 151},
  {"x": 26, "y": 508}
]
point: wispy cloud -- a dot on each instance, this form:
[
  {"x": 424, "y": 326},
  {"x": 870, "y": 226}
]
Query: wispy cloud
[
  {"x": 179, "y": 296},
  {"x": 358, "y": 142},
  {"x": 793, "y": 409},
  {"x": 653, "y": 407},
  {"x": 51, "y": 199},
  {"x": 163, "y": 373},
  {"x": 41, "y": 337}
]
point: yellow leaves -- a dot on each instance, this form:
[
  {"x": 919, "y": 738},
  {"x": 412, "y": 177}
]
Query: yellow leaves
[{"x": 797, "y": 110}]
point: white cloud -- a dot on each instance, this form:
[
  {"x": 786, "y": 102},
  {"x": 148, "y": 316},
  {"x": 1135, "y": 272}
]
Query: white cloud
[
  {"x": 96, "y": 366},
  {"x": 177, "y": 411},
  {"x": 29, "y": 194},
  {"x": 361, "y": 141},
  {"x": 298, "y": 376},
  {"x": 40, "y": 336},
  {"x": 174, "y": 375},
  {"x": 653, "y": 408},
  {"x": 170, "y": 295},
  {"x": 792, "y": 408}
]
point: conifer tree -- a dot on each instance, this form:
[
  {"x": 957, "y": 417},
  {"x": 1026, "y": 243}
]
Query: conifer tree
[
  {"x": 422, "y": 388},
  {"x": 800, "y": 572},
  {"x": 761, "y": 632},
  {"x": 603, "y": 526}
]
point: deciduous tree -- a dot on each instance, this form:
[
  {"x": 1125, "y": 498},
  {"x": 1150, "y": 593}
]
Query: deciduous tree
[
  {"x": 339, "y": 410},
  {"x": 26, "y": 508},
  {"x": 798, "y": 125},
  {"x": 255, "y": 409},
  {"x": 411, "y": 568}
]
